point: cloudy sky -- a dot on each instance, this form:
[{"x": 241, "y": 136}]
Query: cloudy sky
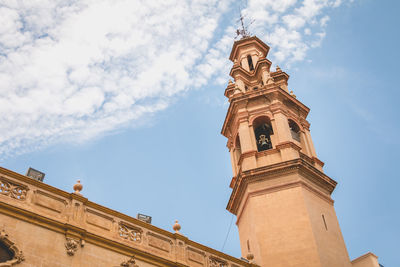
[{"x": 128, "y": 97}]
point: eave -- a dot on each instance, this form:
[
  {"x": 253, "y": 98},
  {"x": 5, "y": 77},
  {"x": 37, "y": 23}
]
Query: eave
[
  {"x": 247, "y": 74},
  {"x": 261, "y": 92},
  {"x": 245, "y": 42},
  {"x": 309, "y": 173}
]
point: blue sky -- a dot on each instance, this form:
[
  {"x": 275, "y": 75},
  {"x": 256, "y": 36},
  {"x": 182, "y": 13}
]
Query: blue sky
[{"x": 129, "y": 99}]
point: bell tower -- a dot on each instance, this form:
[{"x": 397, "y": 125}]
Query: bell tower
[{"x": 280, "y": 194}]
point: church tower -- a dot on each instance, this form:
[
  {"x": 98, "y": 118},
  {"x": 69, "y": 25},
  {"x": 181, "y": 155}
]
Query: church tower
[{"x": 280, "y": 194}]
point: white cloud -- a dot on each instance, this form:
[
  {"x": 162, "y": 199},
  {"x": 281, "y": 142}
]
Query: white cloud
[
  {"x": 71, "y": 70},
  {"x": 293, "y": 21},
  {"x": 289, "y": 27}
]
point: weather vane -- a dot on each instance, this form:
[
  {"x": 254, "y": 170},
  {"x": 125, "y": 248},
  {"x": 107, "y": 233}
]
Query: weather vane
[{"x": 243, "y": 32}]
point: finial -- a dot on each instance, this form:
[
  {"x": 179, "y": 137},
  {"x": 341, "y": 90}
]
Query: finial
[
  {"x": 230, "y": 82},
  {"x": 292, "y": 94},
  {"x": 250, "y": 256},
  {"x": 244, "y": 30},
  {"x": 78, "y": 187},
  {"x": 277, "y": 68},
  {"x": 176, "y": 227}
]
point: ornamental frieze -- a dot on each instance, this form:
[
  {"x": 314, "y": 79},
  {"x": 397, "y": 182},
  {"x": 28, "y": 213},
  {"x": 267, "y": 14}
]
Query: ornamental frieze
[
  {"x": 129, "y": 232},
  {"x": 216, "y": 262},
  {"x": 13, "y": 190}
]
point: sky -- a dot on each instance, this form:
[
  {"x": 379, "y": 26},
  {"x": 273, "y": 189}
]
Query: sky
[{"x": 127, "y": 96}]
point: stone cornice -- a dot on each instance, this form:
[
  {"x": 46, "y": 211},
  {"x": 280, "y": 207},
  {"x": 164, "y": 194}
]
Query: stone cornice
[
  {"x": 238, "y": 70},
  {"x": 366, "y": 255},
  {"x": 246, "y": 155},
  {"x": 247, "y": 42},
  {"x": 288, "y": 145},
  {"x": 265, "y": 91},
  {"x": 307, "y": 171},
  {"x": 279, "y": 188},
  {"x": 279, "y": 76}
]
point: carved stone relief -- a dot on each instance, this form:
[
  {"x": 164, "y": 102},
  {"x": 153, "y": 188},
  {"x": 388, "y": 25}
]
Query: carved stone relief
[
  {"x": 12, "y": 190},
  {"x": 129, "y": 263},
  {"x": 215, "y": 262},
  {"x": 130, "y": 233},
  {"x": 71, "y": 245},
  {"x": 16, "y": 254}
]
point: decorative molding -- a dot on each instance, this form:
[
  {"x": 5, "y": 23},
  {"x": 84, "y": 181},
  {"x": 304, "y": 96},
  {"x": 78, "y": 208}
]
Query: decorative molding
[
  {"x": 288, "y": 144},
  {"x": 98, "y": 219},
  {"x": 129, "y": 232},
  {"x": 366, "y": 255},
  {"x": 13, "y": 190},
  {"x": 129, "y": 263},
  {"x": 247, "y": 154},
  {"x": 49, "y": 201},
  {"x": 318, "y": 161},
  {"x": 18, "y": 256},
  {"x": 280, "y": 188},
  {"x": 159, "y": 242},
  {"x": 71, "y": 245},
  {"x": 216, "y": 262},
  {"x": 305, "y": 169},
  {"x": 270, "y": 151},
  {"x": 195, "y": 255},
  {"x": 266, "y": 91},
  {"x": 258, "y": 113},
  {"x": 290, "y": 116}
]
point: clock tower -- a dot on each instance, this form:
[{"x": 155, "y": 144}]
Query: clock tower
[{"x": 280, "y": 194}]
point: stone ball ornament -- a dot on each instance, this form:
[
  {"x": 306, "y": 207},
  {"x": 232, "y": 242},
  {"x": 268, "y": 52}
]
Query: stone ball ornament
[
  {"x": 78, "y": 187},
  {"x": 176, "y": 227}
]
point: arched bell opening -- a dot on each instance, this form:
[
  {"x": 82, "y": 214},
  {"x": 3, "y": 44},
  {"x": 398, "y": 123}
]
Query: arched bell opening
[
  {"x": 263, "y": 131},
  {"x": 250, "y": 62},
  {"x": 294, "y": 130},
  {"x": 237, "y": 148},
  {"x": 6, "y": 254}
]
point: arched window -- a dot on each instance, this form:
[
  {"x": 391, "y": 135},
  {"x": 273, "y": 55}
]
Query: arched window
[
  {"x": 263, "y": 132},
  {"x": 294, "y": 130},
  {"x": 238, "y": 150},
  {"x": 5, "y": 253},
  {"x": 250, "y": 61},
  {"x": 10, "y": 254}
]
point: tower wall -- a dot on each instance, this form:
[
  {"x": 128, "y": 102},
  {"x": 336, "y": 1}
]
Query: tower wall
[
  {"x": 329, "y": 239},
  {"x": 281, "y": 219}
]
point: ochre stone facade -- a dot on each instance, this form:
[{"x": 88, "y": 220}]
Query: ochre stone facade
[
  {"x": 280, "y": 195},
  {"x": 53, "y": 228}
]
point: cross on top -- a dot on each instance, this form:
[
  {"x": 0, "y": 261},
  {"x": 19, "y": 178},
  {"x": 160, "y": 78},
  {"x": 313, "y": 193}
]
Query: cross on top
[{"x": 243, "y": 31}]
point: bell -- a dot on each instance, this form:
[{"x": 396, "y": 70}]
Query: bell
[{"x": 263, "y": 140}]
